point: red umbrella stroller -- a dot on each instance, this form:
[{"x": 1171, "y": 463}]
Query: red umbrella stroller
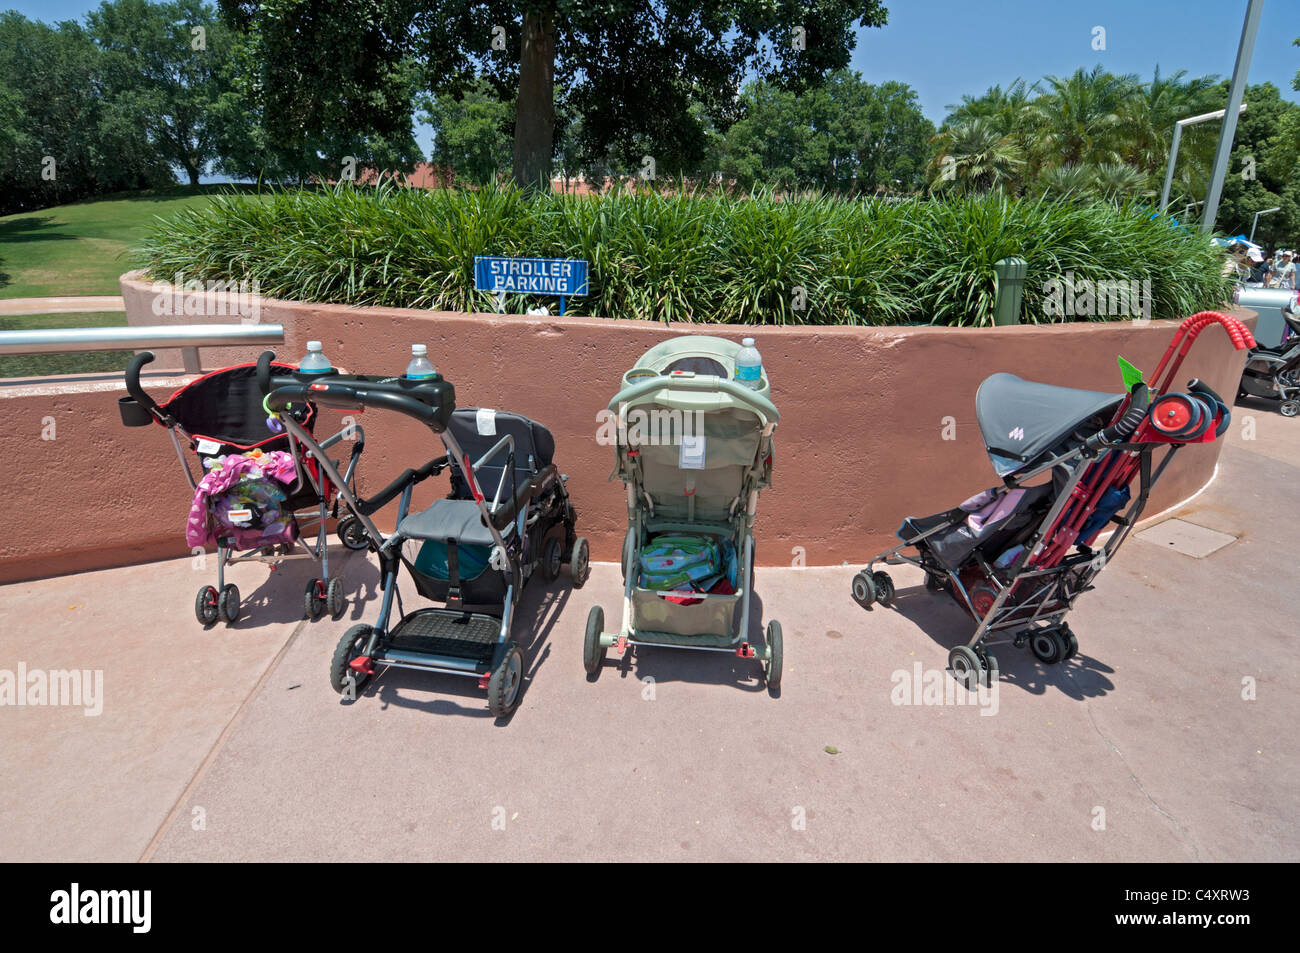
[
  {"x": 258, "y": 491},
  {"x": 1017, "y": 556}
]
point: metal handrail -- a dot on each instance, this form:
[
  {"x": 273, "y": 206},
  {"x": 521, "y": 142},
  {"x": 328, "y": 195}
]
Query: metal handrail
[{"x": 188, "y": 337}]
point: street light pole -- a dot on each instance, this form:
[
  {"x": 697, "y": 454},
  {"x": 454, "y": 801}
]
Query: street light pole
[
  {"x": 1263, "y": 211},
  {"x": 1173, "y": 148},
  {"x": 1249, "y": 30}
]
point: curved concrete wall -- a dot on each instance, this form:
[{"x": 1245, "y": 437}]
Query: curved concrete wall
[{"x": 861, "y": 442}]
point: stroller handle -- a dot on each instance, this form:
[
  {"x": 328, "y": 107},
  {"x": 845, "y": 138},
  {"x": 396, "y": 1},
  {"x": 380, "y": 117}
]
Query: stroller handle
[
  {"x": 1127, "y": 425},
  {"x": 718, "y": 385},
  {"x": 133, "y": 387}
]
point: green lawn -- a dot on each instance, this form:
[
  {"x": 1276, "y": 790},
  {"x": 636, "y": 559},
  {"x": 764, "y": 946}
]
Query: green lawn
[
  {"x": 81, "y": 248},
  {"x": 44, "y": 365}
]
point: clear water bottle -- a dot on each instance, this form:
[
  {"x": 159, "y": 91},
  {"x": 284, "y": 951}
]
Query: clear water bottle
[
  {"x": 315, "y": 362},
  {"x": 749, "y": 365},
  {"x": 420, "y": 368}
]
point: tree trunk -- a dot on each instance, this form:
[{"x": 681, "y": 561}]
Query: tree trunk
[{"x": 535, "y": 108}]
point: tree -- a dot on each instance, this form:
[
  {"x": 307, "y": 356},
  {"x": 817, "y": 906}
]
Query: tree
[
  {"x": 641, "y": 75},
  {"x": 847, "y": 136},
  {"x": 974, "y": 156},
  {"x": 1081, "y": 115},
  {"x": 57, "y": 143},
  {"x": 471, "y": 134},
  {"x": 163, "y": 77}
]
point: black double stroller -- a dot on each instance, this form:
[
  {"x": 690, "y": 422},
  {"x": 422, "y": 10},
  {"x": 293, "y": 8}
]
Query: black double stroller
[{"x": 508, "y": 516}]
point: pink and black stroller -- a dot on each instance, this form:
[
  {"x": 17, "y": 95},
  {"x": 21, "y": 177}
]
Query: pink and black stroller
[
  {"x": 258, "y": 490},
  {"x": 1017, "y": 556}
]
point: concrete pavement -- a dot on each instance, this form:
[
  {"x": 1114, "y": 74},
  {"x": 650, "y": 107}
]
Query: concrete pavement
[{"x": 230, "y": 745}]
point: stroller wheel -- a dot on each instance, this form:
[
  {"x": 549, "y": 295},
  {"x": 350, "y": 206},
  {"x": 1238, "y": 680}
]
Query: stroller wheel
[
  {"x": 335, "y": 601},
  {"x": 580, "y": 562},
  {"x": 966, "y": 666},
  {"x": 593, "y": 653},
  {"x": 884, "y": 588},
  {"x": 503, "y": 686},
  {"x": 352, "y": 534},
  {"x": 342, "y": 675},
  {"x": 314, "y": 599},
  {"x": 1290, "y": 408},
  {"x": 1048, "y": 646},
  {"x": 552, "y": 557},
  {"x": 228, "y": 603},
  {"x": 1071, "y": 643},
  {"x": 772, "y": 666},
  {"x": 205, "y": 605},
  {"x": 864, "y": 589}
]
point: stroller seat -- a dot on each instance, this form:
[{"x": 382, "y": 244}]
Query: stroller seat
[{"x": 448, "y": 519}]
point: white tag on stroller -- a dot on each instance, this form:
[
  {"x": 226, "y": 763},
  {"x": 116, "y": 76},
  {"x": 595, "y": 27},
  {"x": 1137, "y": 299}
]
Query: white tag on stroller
[
  {"x": 240, "y": 517},
  {"x": 207, "y": 446},
  {"x": 487, "y": 423},
  {"x": 692, "y": 455}
]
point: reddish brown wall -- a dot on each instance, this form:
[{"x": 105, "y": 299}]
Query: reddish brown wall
[{"x": 858, "y": 448}]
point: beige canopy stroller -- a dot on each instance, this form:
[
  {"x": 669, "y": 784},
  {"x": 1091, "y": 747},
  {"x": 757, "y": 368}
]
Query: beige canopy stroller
[{"x": 694, "y": 447}]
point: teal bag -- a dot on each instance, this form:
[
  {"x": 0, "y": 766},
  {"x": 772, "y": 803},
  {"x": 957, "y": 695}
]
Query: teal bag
[
  {"x": 470, "y": 560},
  {"x": 681, "y": 562}
]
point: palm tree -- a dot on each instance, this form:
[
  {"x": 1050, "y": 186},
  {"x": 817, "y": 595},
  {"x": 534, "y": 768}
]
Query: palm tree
[
  {"x": 1068, "y": 181},
  {"x": 1118, "y": 181},
  {"x": 1081, "y": 116},
  {"x": 1149, "y": 114},
  {"x": 974, "y": 157}
]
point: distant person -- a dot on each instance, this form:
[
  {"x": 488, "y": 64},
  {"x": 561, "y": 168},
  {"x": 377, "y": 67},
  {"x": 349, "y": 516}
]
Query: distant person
[{"x": 1286, "y": 272}]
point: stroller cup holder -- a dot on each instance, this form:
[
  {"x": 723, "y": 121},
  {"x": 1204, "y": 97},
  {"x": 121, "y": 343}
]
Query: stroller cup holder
[{"x": 133, "y": 413}]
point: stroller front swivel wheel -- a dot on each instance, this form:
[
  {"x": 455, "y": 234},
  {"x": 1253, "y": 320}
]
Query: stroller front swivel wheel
[
  {"x": 552, "y": 557},
  {"x": 228, "y": 603},
  {"x": 969, "y": 668},
  {"x": 1048, "y": 646},
  {"x": 884, "y": 588},
  {"x": 335, "y": 600},
  {"x": 772, "y": 665},
  {"x": 503, "y": 686},
  {"x": 593, "y": 653},
  {"x": 352, "y": 534},
  {"x": 580, "y": 562},
  {"x": 314, "y": 599},
  {"x": 343, "y": 678},
  {"x": 1290, "y": 408},
  {"x": 205, "y": 605},
  {"x": 864, "y": 589}
]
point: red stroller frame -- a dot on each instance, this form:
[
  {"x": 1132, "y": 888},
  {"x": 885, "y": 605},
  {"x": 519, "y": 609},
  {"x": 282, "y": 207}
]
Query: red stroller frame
[
  {"x": 1032, "y": 594},
  {"x": 221, "y": 413}
]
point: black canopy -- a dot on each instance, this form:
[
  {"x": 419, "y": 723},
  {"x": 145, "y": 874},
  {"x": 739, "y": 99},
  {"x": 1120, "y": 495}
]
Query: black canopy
[{"x": 1021, "y": 420}]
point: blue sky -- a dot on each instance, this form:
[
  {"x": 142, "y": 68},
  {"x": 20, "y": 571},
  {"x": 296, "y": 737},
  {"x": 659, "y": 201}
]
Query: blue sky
[{"x": 944, "y": 48}]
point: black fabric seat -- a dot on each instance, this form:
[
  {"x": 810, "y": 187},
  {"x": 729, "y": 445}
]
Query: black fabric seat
[{"x": 448, "y": 519}]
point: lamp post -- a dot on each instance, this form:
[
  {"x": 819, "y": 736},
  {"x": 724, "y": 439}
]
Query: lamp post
[
  {"x": 1236, "y": 89},
  {"x": 1173, "y": 147},
  {"x": 1264, "y": 211}
]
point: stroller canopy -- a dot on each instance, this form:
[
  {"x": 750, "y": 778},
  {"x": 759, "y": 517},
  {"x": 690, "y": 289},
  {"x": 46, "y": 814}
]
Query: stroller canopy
[
  {"x": 1022, "y": 420},
  {"x": 225, "y": 406}
]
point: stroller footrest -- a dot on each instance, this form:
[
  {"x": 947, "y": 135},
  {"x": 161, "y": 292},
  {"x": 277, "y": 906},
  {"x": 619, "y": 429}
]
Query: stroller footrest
[{"x": 452, "y": 634}]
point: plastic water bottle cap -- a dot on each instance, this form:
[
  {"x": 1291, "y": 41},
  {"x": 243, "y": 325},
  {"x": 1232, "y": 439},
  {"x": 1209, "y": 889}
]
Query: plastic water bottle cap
[
  {"x": 419, "y": 350},
  {"x": 313, "y": 345},
  {"x": 747, "y": 342}
]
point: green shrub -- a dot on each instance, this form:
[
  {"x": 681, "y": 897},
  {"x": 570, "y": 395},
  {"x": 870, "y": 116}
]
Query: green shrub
[{"x": 687, "y": 257}]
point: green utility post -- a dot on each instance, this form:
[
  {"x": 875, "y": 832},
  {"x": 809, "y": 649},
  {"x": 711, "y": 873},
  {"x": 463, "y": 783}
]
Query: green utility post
[{"x": 1009, "y": 286}]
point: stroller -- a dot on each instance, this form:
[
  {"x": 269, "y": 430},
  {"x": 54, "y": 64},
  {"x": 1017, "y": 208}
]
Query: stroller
[
  {"x": 257, "y": 493},
  {"x": 1274, "y": 372},
  {"x": 508, "y": 515},
  {"x": 694, "y": 448},
  {"x": 1005, "y": 554}
]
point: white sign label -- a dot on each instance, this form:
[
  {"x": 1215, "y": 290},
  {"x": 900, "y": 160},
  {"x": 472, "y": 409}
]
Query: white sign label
[
  {"x": 207, "y": 446},
  {"x": 487, "y": 423},
  {"x": 692, "y": 456}
]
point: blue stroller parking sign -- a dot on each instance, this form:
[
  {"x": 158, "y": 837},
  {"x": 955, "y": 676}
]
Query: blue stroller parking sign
[{"x": 531, "y": 276}]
